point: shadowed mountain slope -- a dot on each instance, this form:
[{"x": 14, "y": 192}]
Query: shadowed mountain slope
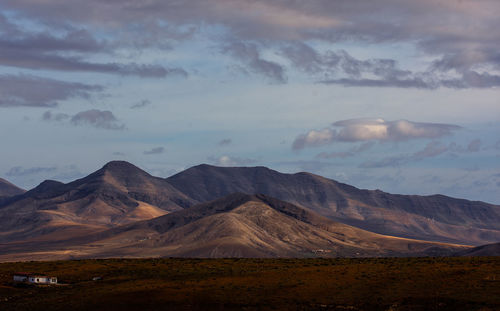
[
  {"x": 116, "y": 194},
  {"x": 483, "y": 250},
  {"x": 241, "y": 225},
  {"x": 436, "y": 217},
  {"x": 8, "y": 189}
]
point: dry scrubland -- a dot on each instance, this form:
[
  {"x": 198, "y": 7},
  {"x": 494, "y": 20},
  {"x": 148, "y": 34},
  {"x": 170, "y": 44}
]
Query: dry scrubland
[{"x": 266, "y": 284}]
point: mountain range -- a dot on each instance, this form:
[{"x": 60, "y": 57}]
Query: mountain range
[
  {"x": 208, "y": 211},
  {"x": 435, "y": 218}
]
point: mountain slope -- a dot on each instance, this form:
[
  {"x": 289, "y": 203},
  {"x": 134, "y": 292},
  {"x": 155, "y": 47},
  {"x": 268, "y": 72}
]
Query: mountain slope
[
  {"x": 8, "y": 189},
  {"x": 238, "y": 225},
  {"x": 116, "y": 194},
  {"x": 483, "y": 250},
  {"x": 437, "y": 217}
]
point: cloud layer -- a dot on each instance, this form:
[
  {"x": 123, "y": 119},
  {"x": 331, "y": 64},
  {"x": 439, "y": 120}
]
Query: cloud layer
[
  {"x": 102, "y": 119},
  {"x": 32, "y": 91},
  {"x": 431, "y": 150},
  {"x": 454, "y": 37},
  {"x": 156, "y": 150}
]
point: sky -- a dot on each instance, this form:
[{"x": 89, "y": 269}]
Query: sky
[{"x": 401, "y": 96}]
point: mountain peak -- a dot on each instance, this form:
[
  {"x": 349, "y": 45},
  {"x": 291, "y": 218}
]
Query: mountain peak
[
  {"x": 9, "y": 189},
  {"x": 119, "y": 165},
  {"x": 123, "y": 170}
]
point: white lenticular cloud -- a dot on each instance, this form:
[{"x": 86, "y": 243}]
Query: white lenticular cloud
[
  {"x": 357, "y": 130},
  {"x": 314, "y": 138}
]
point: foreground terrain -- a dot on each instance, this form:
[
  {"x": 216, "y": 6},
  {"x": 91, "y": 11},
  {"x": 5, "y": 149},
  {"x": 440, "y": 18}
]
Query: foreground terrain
[{"x": 461, "y": 283}]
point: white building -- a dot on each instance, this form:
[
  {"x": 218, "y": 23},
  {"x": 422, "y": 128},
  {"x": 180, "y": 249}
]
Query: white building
[{"x": 34, "y": 278}]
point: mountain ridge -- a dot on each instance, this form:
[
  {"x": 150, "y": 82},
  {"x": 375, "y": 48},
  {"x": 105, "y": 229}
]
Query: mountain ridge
[
  {"x": 242, "y": 225},
  {"x": 8, "y": 189},
  {"x": 435, "y": 217},
  {"x": 117, "y": 193},
  {"x": 239, "y": 211}
]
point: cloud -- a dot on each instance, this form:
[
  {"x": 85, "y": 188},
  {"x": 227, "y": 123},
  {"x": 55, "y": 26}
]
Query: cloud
[
  {"x": 49, "y": 116},
  {"x": 314, "y": 138},
  {"x": 231, "y": 161},
  {"x": 67, "y": 52},
  {"x": 20, "y": 171},
  {"x": 143, "y": 103},
  {"x": 307, "y": 59},
  {"x": 94, "y": 117},
  {"x": 356, "y": 130},
  {"x": 98, "y": 119},
  {"x": 456, "y": 35},
  {"x": 431, "y": 150},
  {"x": 32, "y": 91},
  {"x": 250, "y": 55},
  {"x": 474, "y": 146},
  {"x": 346, "y": 154},
  {"x": 156, "y": 150},
  {"x": 335, "y": 155},
  {"x": 225, "y": 142}
]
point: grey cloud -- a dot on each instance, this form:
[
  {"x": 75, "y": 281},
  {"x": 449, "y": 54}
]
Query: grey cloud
[
  {"x": 363, "y": 147},
  {"x": 225, "y": 142},
  {"x": 346, "y": 154},
  {"x": 156, "y": 150},
  {"x": 143, "y": 103},
  {"x": 75, "y": 41},
  {"x": 20, "y": 171},
  {"x": 356, "y": 130},
  {"x": 393, "y": 161},
  {"x": 25, "y": 90},
  {"x": 386, "y": 71},
  {"x": 335, "y": 155},
  {"x": 231, "y": 161},
  {"x": 470, "y": 79},
  {"x": 309, "y": 60},
  {"x": 49, "y": 116},
  {"x": 45, "y": 51},
  {"x": 32, "y": 60},
  {"x": 474, "y": 146},
  {"x": 98, "y": 119},
  {"x": 457, "y": 33},
  {"x": 390, "y": 82},
  {"x": 250, "y": 55},
  {"x": 94, "y": 117},
  {"x": 432, "y": 149}
]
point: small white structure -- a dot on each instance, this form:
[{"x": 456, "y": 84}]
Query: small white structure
[
  {"x": 34, "y": 278},
  {"x": 21, "y": 277}
]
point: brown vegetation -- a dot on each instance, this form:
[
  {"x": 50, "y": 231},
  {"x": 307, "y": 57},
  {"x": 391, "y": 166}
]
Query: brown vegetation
[{"x": 461, "y": 283}]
